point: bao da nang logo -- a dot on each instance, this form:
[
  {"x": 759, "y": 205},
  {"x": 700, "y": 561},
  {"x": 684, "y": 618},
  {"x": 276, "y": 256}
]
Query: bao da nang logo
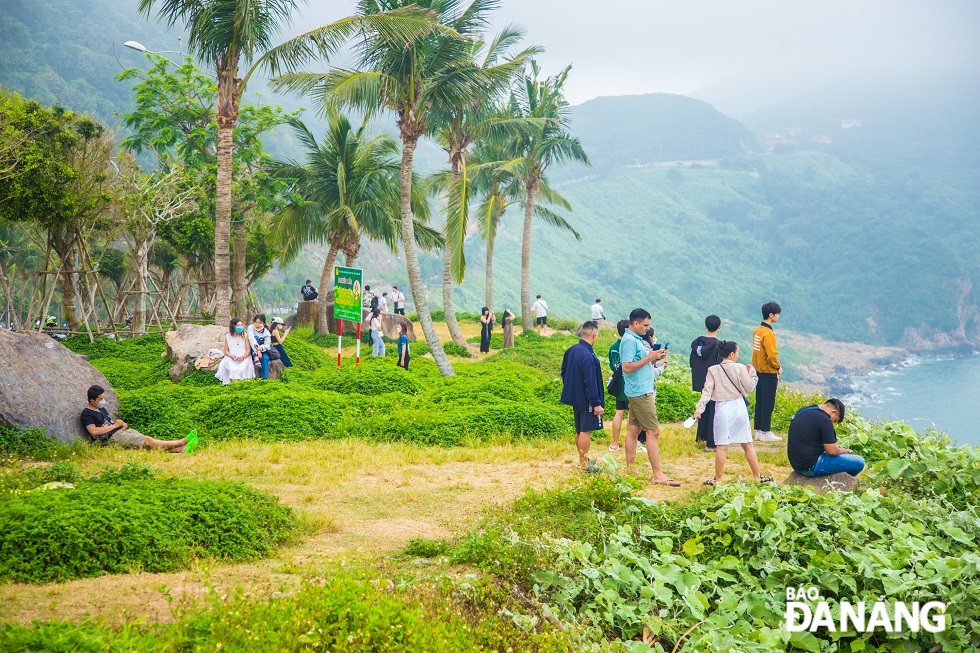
[{"x": 806, "y": 610}]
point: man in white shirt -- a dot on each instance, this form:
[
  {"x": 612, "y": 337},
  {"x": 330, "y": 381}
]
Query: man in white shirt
[
  {"x": 383, "y": 302},
  {"x": 540, "y": 310},
  {"x": 398, "y": 299},
  {"x": 597, "y": 310}
]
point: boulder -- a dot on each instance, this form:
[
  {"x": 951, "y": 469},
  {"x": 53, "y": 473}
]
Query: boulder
[
  {"x": 305, "y": 313},
  {"x": 189, "y": 343},
  {"x": 388, "y": 322},
  {"x": 275, "y": 369},
  {"x": 43, "y": 384},
  {"x": 840, "y": 482}
]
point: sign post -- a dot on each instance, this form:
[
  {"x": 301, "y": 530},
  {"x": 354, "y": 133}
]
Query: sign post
[{"x": 347, "y": 303}]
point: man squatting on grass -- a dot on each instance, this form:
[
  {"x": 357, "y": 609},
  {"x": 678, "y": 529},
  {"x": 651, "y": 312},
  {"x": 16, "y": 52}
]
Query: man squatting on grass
[
  {"x": 582, "y": 389},
  {"x": 811, "y": 444},
  {"x": 641, "y": 367},
  {"x": 101, "y": 428}
]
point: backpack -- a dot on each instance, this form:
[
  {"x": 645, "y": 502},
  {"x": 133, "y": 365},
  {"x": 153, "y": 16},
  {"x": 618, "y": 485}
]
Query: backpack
[
  {"x": 374, "y": 303},
  {"x": 615, "y": 384}
]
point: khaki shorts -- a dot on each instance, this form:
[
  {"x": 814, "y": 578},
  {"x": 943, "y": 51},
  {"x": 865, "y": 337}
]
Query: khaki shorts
[
  {"x": 129, "y": 438},
  {"x": 643, "y": 412}
]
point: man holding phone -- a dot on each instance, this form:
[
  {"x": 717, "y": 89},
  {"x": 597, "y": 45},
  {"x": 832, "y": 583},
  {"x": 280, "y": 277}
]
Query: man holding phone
[
  {"x": 641, "y": 368},
  {"x": 583, "y": 390}
]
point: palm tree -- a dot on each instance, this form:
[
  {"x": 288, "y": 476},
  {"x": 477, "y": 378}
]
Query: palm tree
[
  {"x": 224, "y": 33},
  {"x": 346, "y": 189},
  {"x": 459, "y": 127},
  {"x": 549, "y": 144},
  {"x": 494, "y": 181},
  {"x": 413, "y": 77}
]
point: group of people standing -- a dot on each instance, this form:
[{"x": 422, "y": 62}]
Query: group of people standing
[
  {"x": 246, "y": 348},
  {"x": 722, "y": 410}
]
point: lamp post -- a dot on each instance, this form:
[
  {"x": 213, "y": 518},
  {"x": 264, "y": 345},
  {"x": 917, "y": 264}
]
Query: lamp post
[{"x": 139, "y": 47}]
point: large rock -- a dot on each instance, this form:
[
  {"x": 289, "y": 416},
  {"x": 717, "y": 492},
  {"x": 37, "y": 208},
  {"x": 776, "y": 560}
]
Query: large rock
[
  {"x": 305, "y": 313},
  {"x": 189, "y": 343},
  {"x": 840, "y": 482},
  {"x": 388, "y": 322},
  {"x": 43, "y": 384}
]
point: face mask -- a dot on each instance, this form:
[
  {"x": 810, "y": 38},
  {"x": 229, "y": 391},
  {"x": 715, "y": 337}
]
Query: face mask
[
  {"x": 104, "y": 403},
  {"x": 239, "y": 328}
]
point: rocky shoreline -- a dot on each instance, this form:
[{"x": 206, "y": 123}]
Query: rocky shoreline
[{"x": 828, "y": 366}]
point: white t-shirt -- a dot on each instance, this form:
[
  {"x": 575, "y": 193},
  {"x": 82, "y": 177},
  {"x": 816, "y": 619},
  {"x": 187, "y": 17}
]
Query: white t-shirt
[
  {"x": 399, "y": 299},
  {"x": 376, "y": 324},
  {"x": 597, "y": 311},
  {"x": 383, "y": 304},
  {"x": 540, "y": 308}
]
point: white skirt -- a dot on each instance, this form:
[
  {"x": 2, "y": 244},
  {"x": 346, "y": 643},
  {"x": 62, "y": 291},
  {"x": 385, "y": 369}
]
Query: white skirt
[
  {"x": 732, "y": 422},
  {"x": 230, "y": 370}
]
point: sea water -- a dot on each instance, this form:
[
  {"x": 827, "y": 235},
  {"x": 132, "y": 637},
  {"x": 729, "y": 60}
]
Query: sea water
[{"x": 927, "y": 392}]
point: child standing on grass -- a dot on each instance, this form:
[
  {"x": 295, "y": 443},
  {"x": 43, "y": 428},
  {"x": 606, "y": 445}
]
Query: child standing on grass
[{"x": 727, "y": 384}]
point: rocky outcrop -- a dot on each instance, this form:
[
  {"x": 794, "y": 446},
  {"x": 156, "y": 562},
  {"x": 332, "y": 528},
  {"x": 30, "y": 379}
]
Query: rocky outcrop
[
  {"x": 43, "y": 384},
  {"x": 840, "y": 482},
  {"x": 388, "y": 322},
  {"x": 189, "y": 343}
]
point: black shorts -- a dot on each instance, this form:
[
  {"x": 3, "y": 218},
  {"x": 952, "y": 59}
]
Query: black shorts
[
  {"x": 579, "y": 415},
  {"x": 542, "y": 320},
  {"x": 622, "y": 405}
]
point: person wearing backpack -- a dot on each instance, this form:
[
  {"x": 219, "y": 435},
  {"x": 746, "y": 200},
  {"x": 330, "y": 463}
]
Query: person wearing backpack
[
  {"x": 704, "y": 354},
  {"x": 727, "y": 384},
  {"x": 615, "y": 386}
]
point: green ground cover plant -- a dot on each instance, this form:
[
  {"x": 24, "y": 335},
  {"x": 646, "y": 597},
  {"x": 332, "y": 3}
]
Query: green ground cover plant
[
  {"x": 30, "y": 443},
  {"x": 128, "y": 519},
  {"x": 346, "y": 611}
]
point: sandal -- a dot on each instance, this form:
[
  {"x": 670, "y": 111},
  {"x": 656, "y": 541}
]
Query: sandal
[
  {"x": 710, "y": 482},
  {"x": 709, "y": 450},
  {"x": 191, "y": 442},
  {"x": 591, "y": 469},
  {"x": 765, "y": 479},
  {"x": 614, "y": 447},
  {"x": 669, "y": 483}
]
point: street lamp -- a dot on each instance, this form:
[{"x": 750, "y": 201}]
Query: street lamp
[{"x": 139, "y": 47}]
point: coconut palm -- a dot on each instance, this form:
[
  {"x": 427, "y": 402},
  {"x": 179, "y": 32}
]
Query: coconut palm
[
  {"x": 413, "y": 78},
  {"x": 347, "y": 188},
  {"x": 542, "y": 147},
  {"x": 460, "y": 126}
]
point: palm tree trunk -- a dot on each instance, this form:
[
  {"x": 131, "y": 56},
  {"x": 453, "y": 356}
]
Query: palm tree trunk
[
  {"x": 412, "y": 261},
  {"x": 322, "y": 325},
  {"x": 489, "y": 286},
  {"x": 222, "y": 224},
  {"x": 64, "y": 247},
  {"x": 527, "y": 321},
  {"x": 238, "y": 291},
  {"x": 447, "y": 298}
]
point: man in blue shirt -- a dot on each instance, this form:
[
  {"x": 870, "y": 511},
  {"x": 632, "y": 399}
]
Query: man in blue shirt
[
  {"x": 640, "y": 371},
  {"x": 582, "y": 389}
]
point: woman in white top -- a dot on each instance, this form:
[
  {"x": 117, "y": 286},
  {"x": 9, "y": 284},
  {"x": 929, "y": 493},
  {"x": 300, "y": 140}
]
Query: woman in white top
[
  {"x": 727, "y": 384},
  {"x": 261, "y": 340},
  {"x": 237, "y": 363},
  {"x": 377, "y": 344}
]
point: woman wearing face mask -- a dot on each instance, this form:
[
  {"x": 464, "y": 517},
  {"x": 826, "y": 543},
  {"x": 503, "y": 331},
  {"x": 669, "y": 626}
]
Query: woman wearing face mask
[
  {"x": 237, "y": 363},
  {"x": 727, "y": 383}
]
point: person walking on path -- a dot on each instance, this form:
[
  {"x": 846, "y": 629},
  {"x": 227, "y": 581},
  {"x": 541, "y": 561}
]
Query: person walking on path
[
  {"x": 704, "y": 354},
  {"x": 622, "y": 402},
  {"x": 597, "y": 311},
  {"x": 486, "y": 329},
  {"x": 540, "y": 310},
  {"x": 508, "y": 322},
  {"x": 403, "y": 356},
  {"x": 641, "y": 367},
  {"x": 581, "y": 376},
  {"x": 765, "y": 359},
  {"x": 308, "y": 292},
  {"x": 726, "y": 384},
  {"x": 811, "y": 444},
  {"x": 377, "y": 342},
  {"x": 398, "y": 300}
]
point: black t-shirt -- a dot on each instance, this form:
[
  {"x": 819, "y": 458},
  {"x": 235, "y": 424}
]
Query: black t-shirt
[
  {"x": 810, "y": 429},
  {"x": 704, "y": 354},
  {"x": 97, "y": 418},
  {"x": 309, "y": 293}
]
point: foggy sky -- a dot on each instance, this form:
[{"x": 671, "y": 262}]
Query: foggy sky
[{"x": 623, "y": 47}]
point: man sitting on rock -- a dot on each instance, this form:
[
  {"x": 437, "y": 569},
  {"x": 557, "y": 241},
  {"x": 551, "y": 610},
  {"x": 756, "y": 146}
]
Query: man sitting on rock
[
  {"x": 812, "y": 442},
  {"x": 102, "y": 429}
]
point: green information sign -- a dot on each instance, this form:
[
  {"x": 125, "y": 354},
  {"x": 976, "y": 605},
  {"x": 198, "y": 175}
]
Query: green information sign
[{"x": 347, "y": 294}]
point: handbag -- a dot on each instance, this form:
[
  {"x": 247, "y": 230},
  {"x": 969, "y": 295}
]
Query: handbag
[
  {"x": 274, "y": 354},
  {"x": 615, "y": 384}
]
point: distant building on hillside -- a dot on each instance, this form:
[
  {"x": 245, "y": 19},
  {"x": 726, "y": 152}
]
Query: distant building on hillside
[
  {"x": 850, "y": 123},
  {"x": 798, "y": 131},
  {"x": 822, "y": 138},
  {"x": 771, "y": 144}
]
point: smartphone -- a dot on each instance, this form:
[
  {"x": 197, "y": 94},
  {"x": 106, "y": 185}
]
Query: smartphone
[{"x": 658, "y": 346}]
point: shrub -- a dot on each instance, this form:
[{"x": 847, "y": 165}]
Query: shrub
[
  {"x": 30, "y": 443},
  {"x": 272, "y": 412},
  {"x": 127, "y": 375},
  {"x": 496, "y": 340},
  {"x": 304, "y": 355},
  {"x": 372, "y": 377},
  {"x": 144, "y": 349},
  {"x": 154, "y": 412},
  {"x": 153, "y": 525},
  {"x": 199, "y": 379},
  {"x": 675, "y": 402},
  {"x": 452, "y": 349}
]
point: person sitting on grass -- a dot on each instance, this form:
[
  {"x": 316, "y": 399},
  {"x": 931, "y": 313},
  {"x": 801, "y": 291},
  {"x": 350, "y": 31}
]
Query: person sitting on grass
[
  {"x": 726, "y": 384},
  {"x": 101, "y": 428},
  {"x": 811, "y": 445}
]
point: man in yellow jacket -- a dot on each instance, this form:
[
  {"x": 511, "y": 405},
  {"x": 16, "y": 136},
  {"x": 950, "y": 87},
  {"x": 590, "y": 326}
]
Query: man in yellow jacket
[{"x": 765, "y": 360}]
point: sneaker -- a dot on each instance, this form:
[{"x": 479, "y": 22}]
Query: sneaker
[{"x": 767, "y": 436}]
